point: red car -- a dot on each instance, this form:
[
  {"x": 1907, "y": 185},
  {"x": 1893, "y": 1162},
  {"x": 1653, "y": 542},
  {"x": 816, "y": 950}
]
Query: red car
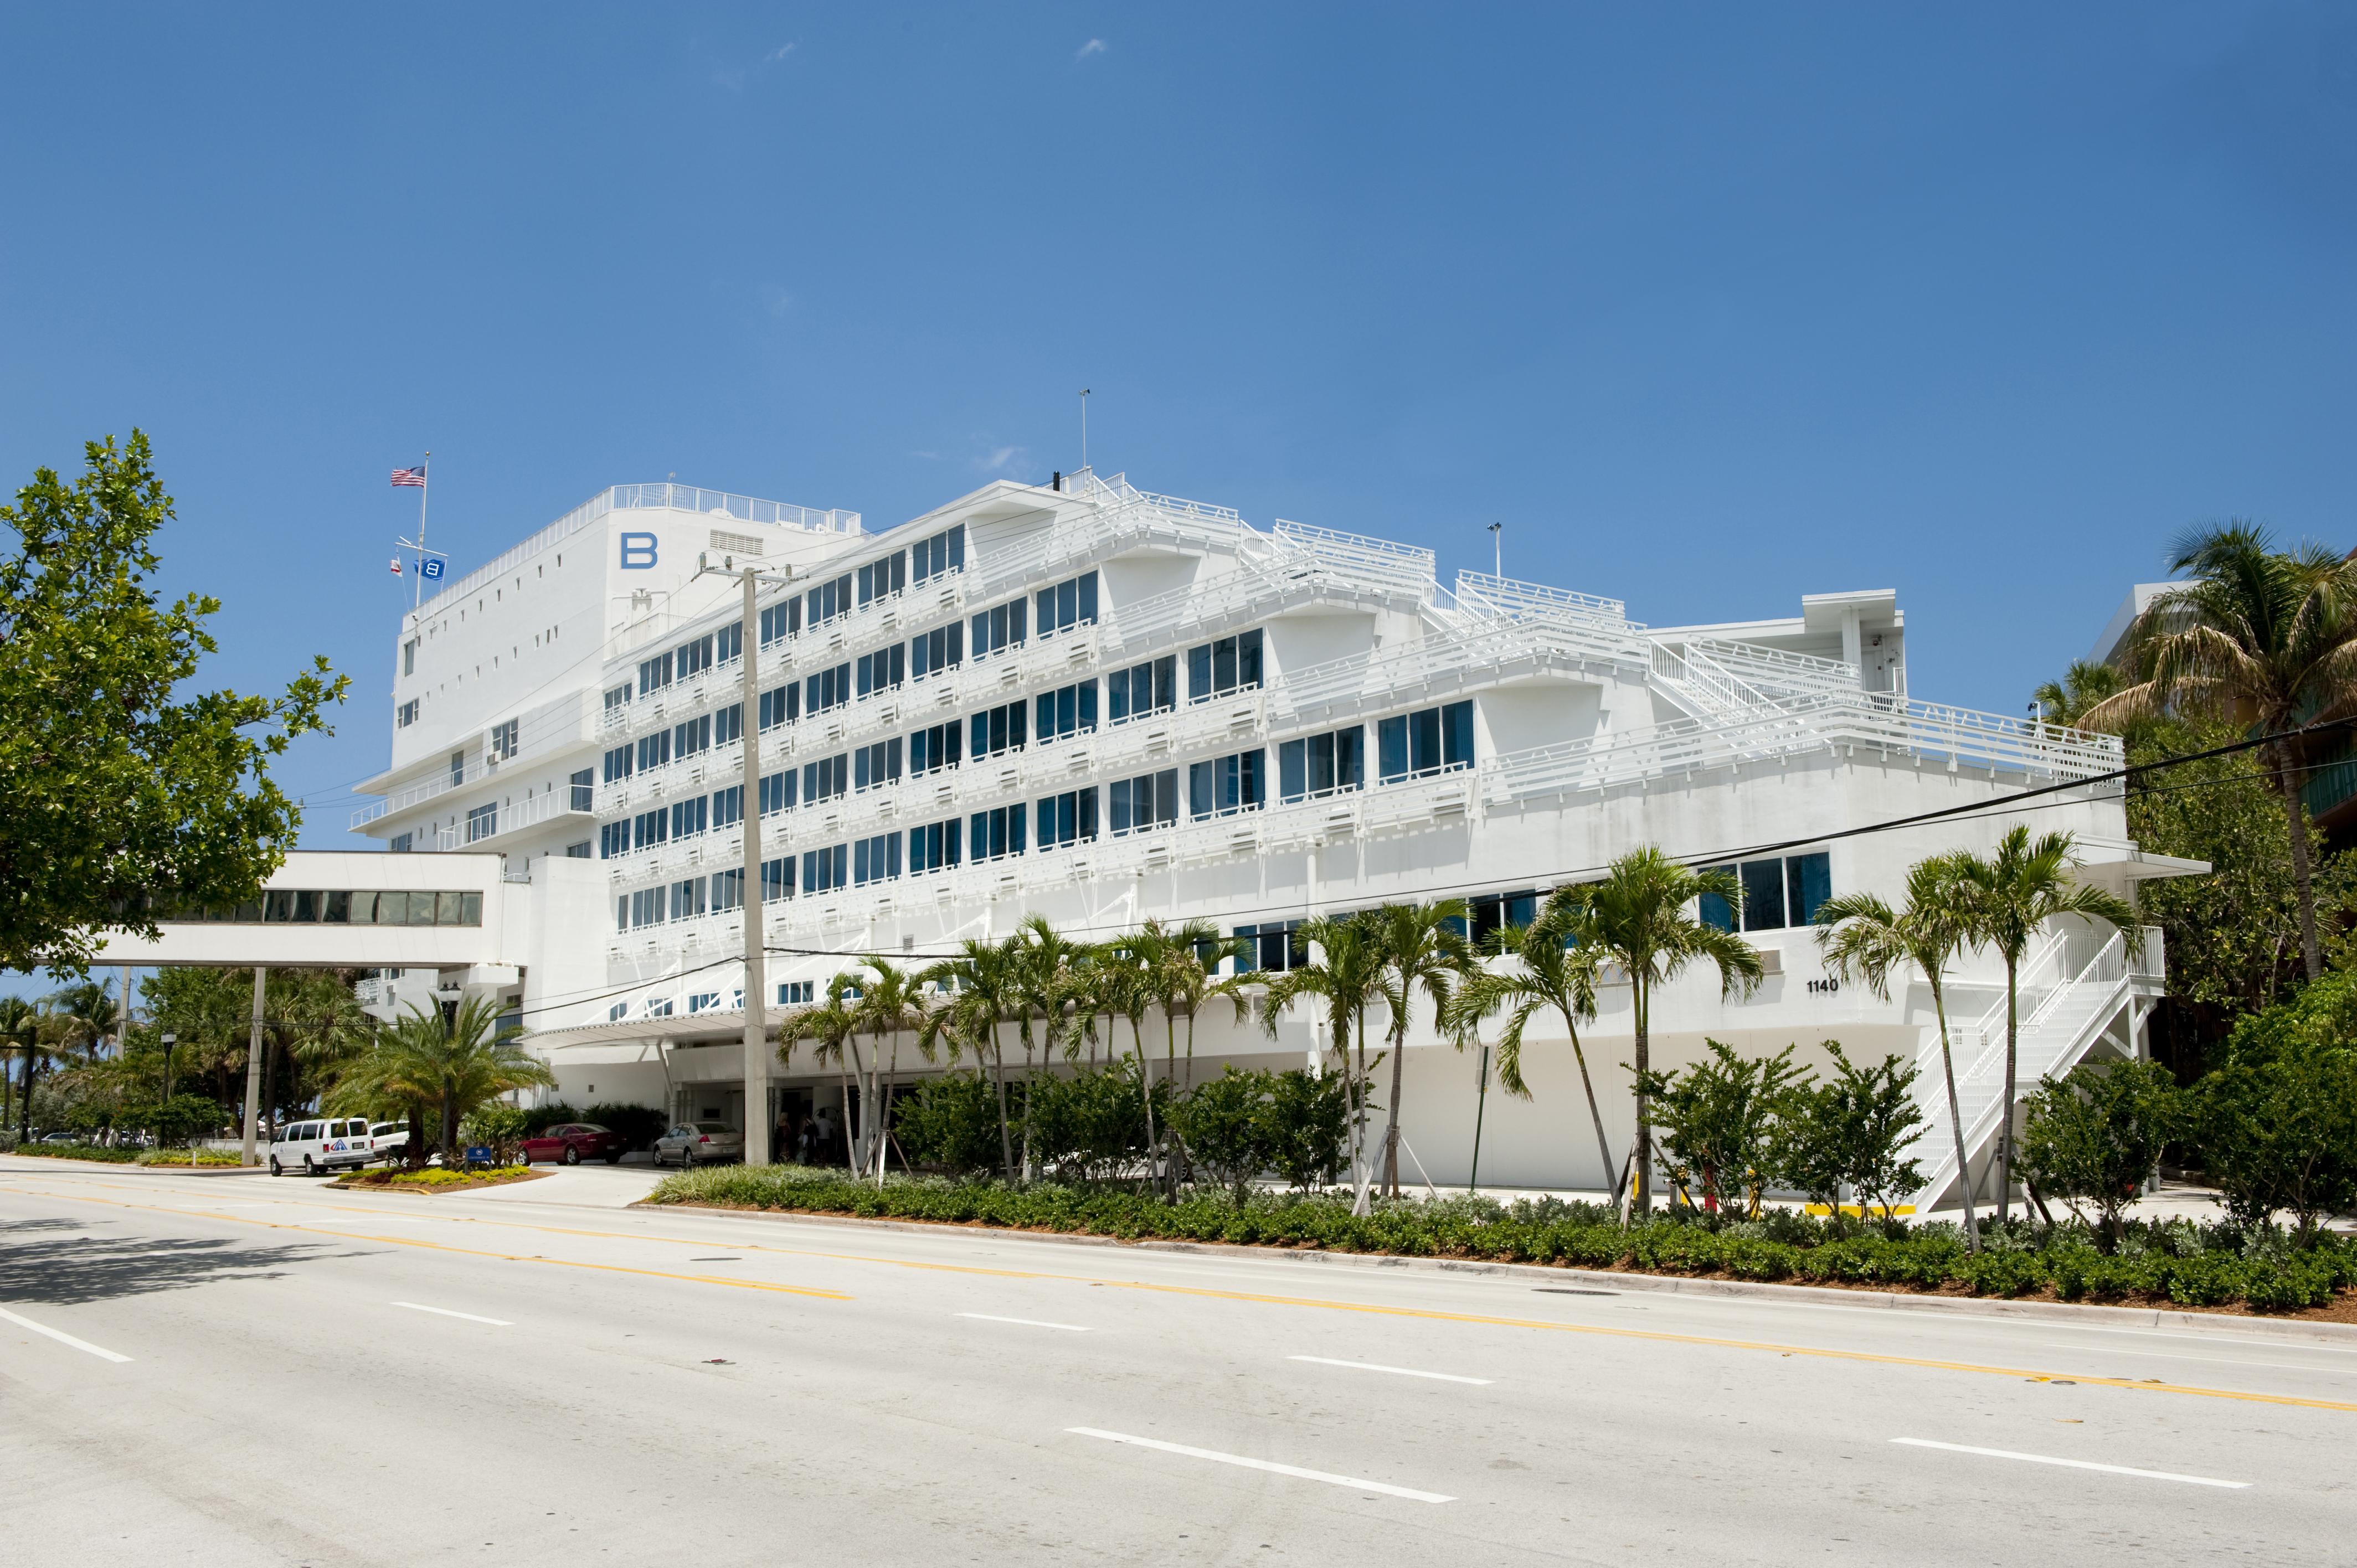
[{"x": 574, "y": 1141}]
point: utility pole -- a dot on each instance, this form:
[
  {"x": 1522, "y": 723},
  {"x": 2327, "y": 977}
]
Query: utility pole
[
  {"x": 1497, "y": 550},
  {"x": 253, "y": 1066},
  {"x": 756, "y": 984}
]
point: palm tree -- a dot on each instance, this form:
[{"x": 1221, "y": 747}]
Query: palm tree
[
  {"x": 2008, "y": 898},
  {"x": 83, "y": 1016},
  {"x": 1124, "y": 970},
  {"x": 1559, "y": 959},
  {"x": 459, "y": 1064},
  {"x": 1184, "y": 982},
  {"x": 1861, "y": 936},
  {"x": 2085, "y": 683},
  {"x": 1048, "y": 983},
  {"x": 1345, "y": 972},
  {"x": 890, "y": 1004},
  {"x": 1421, "y": 947},
  {"x": 2262, "y": 639},
  {"x": 833, "y": 1027},
  {"x": 1640, "y": 918},
  {"x": 16, "y": 1017},
  {"x": 988, "y": 994}
]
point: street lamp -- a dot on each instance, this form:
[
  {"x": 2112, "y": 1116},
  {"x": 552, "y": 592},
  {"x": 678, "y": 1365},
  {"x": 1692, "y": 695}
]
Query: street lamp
[{"x": 171, "y": 1040}]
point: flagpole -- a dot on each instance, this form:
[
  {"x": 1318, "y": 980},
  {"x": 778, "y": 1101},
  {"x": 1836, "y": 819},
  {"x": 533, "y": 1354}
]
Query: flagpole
[{"x": 425, "y": 476}]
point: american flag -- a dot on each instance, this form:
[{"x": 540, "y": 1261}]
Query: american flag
[{"x": 413, "y": 478}]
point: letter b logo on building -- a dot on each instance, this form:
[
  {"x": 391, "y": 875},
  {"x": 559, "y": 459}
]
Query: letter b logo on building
[{"x": 637, "y": 552}]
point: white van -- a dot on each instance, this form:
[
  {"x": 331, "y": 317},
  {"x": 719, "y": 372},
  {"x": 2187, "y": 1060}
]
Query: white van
[{"x": 316, "y": 1146}]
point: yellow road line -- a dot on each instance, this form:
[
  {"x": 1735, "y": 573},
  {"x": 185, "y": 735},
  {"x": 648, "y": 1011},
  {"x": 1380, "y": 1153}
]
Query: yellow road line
[{"x": 1425, "y": 1314}]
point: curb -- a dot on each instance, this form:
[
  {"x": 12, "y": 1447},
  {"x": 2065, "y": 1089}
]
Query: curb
[
  {"x": 2237, "y": 1324},
  {"x": 36, "y": 1162}
]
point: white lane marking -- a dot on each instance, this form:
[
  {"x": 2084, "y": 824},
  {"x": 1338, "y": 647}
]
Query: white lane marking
[
  {"x": 61, "y": 1336},
  {"x": 1375, "y": 1366},
  {"x": 2206, "y": 1360},
  {"x": 2070, "y": 1464},
  {"x": 1353, "y": 1482},
  {"x": 445, "y": 1311},
  {"x": 1025, "y": 1322}
]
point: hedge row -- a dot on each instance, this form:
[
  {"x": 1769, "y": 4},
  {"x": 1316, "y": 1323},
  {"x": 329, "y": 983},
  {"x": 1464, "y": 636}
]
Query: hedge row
[
  {"x": 2266, "y": 1276},
  {"x": 78, "y": 1152}
]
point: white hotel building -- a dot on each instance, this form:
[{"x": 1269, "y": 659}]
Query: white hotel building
[{"x": 1095, "y": 704}]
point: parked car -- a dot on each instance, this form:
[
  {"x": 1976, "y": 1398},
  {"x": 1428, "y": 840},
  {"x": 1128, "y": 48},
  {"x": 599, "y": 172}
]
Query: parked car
[
  {"x": 570, "y": 1142},
  {"x": 320, "y": 1146},
  {"x": 392, "y": 1140},
  {"x": 699, "y": 1143},
  {"x": 62, "y": 1138}
]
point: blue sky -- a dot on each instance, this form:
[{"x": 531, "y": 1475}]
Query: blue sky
[{"x": 1711, "y": 306}]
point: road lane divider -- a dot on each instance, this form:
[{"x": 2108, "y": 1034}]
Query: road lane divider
[
  {"x": 62, "y": 1337},
  {"x": 1396, "y": 1372},
  {"x": 1025, "y": 1322},
  {"x": 1245, "y": 1462},
  {"x": 445, "y": 1311},
  {"x": 2070, "y": 1464}
]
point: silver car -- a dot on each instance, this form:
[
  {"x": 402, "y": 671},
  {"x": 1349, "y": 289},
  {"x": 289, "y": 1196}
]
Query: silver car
[{"x": 699, "y": 1143}]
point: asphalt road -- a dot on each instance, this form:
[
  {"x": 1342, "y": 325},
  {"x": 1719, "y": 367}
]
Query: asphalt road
[{"x": 249, "y": 1371}]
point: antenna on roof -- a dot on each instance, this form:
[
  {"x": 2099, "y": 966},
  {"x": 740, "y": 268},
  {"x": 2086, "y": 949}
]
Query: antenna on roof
[
  {"x": 1497, "y": 550},
  {"x": 1084, "y": 427}
]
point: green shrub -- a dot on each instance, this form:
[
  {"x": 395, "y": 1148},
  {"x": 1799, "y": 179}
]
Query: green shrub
[
  {"x": 2096, "y": 1135},
  {"x": 80, "y": 1152},
  {"x": 949, "y": 1124},
  {"x": 1093, "y": 1124},
  {"x": 1309, "y": 1128},
  {"x": 641, "y": 1125},
  {"x": 2278, "y": 1130},
  {"x": 1229, "y": 1127}
]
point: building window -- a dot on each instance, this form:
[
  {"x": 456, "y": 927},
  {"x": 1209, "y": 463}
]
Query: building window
[
  {"x": 1066, "y": 605},
  {"x": 654, "y": 750},
  {"x": 1067, "y": 710},
  {"x": 406, "y": 714},
  {"x": 341, "y": 906},
  {"x": 998, "y": 627},
  {"x": 996, "y": 832},
  {"x": 644, "y": 908},
  {"x": 943, "y": 648},
  {"x": 578, "y": 851},
  {"x": 881, "y": 579},
  {"x": 934, "y": 847},
  {"x": 882, "y": 670},
  {"x": 1493, "y": 911},
  {"x": 1148, "y": 800},
  {"x": 617, "y": 764},
  {"x": 1776, "y": 893},
  {"x": 582, "y": 789},
  {"x": 1276, "y": 946},
  {"x": 877, "y": 765},
  {"x": 728, "y": 642},
  {"x": 827, "y": 689},
  {"x": 690, "y": 817},
  {"x": 933, "y": 747},
  {"x": 618, "y": 697},
  {"x": 458, "y": 768},
  {"x": 693, "y": 658},
  {"x": 778, "y": 792},
  {"x": 1434, "y": 740},
  {"x": 654, "y": 673},
  {"x": 781, "y": 620},
  {"x": 616, "y": 1014},
  {"x": 874, "y": 859},
  {"x": 829, "y": 600},
  {"x": 704, "y": 1002},
  {"x": 1068, "y": 818},
  {"x": 399, "y": 843},
  {"x": 482, "y": 823},
  {"x": 782, "y": 706},
  {"x": 826, "y": 778},
  {"x": 945, "y": 551},
  {"x": 729, "y": 806},
  {"x": 728, "y": 723},
  {"x": 778, "y": 879},
  {"x": 1142, "y": 688},
  {"x": 1225, "y": 784},
  {"x": 613, "y": 839},
  {"x": 1322, "y": 763},
  {"x": 796, "y": 993},
  {"x": 997, "y": 729},
  {"x": 692, "y": 736},
  {"x": 727, "y": 890},
  {"x": 649, "y": 829},
  {"x": 825, "y": 870},
  {"x": 1231, "y": 664},
  {"x": 409, "y": 657},
  {"x": 687, "y": 898}
]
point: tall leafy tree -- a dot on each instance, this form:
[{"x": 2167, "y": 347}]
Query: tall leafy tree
[
  {"x": 2011, "y": 897},
  {"x": 2264, "y": 639},
  {"x": 1642, "y": 917},
  {"x": 1421, "y": 947},
  {"x": 1862, "y": 936},
  {"x": 891, "y": 1005},
  {"x": 456, "y": 1063},
  {"x": 832, "y": 1027},
  {"x": 987, "y": 986},
  {"x": 119, "y": 784},
  {"x": 17, "y": 1023},
  {"x": 1554, "y": 959}
]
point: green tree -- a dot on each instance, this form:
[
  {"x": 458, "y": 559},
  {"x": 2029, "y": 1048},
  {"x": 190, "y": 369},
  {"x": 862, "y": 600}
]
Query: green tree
[
  {"x": 1852, "y": 1131},
  {"x": 454, "y": 1064},
  {"x": 2096, "y": 1134},
  {"x": 2278, "y": 1130},
  {"x": 2010, "y": 897},
  {"x": 831, "y": 1026},
  {"x": 1864, "y": 937},
  {"x": 1419, "y": 947},
  {"x": 1228, "y": 1127},
  {"x": 16, "y": 1024},
  {"x": 891, "y": 1005},
  {"x": 1345, "y": 972},
  {"x": 1718, "y": 1118},
  {"x": 951, "y": 1121},
  {"x": 119, "y": 785},
  {"x": 2264, "y": 639},
  {"x": 1641, "y": 917},
  {"x": 1310, "y": 1119},
  {"x": 988, "y": 994},
  {"x": 2085, "y": 683},
  {"x": 1555, "y": 957}
]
